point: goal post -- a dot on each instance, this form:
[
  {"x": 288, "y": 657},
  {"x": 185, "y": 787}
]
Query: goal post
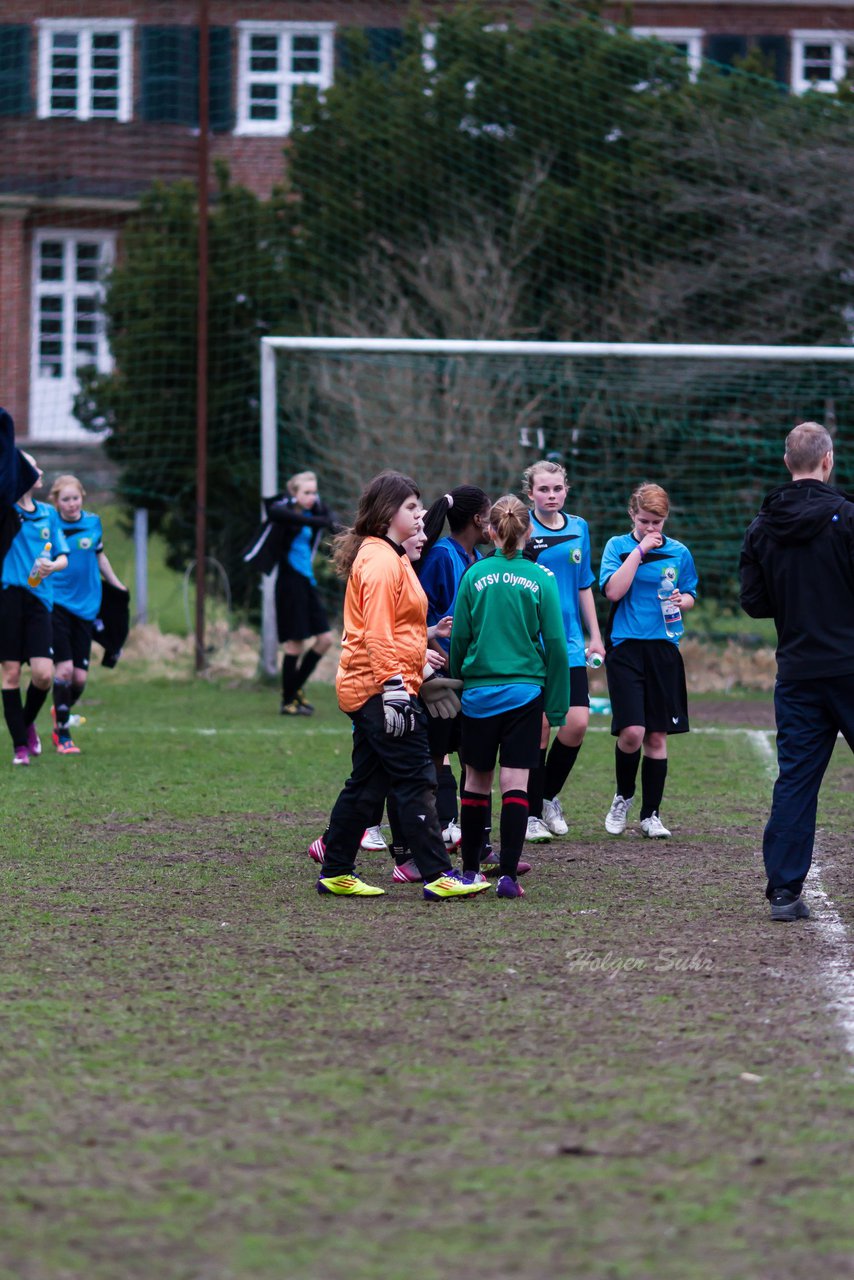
[{"x": 703, "y": 419}]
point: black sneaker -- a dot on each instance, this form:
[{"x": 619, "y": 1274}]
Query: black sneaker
[
  {"x": 305, "y": 707},
  {"x": 785, "y": 906}
]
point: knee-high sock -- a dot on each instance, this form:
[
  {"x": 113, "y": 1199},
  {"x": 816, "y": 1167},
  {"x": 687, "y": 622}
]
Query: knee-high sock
[
  {"x": 35, "y": 701},
  {"x": 310, "y": 660},
  {"x": 13, "y": 711},
  {"x": 559, "y": 765},
  {"x": 76, "y": 690},
  {"x": 289, "y": 676},
  {"x": 536, "y": 782},
  {"x": 653, "y": 775},
  {"x": 627, "y": 771},
  {"x": 62, "y": 702},
  {"x": 514, "y": 824},
  {"x": 473, "y": 809}
]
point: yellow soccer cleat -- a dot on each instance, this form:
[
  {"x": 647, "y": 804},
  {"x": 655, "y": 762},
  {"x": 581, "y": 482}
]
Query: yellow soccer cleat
[
  {"x": 450, "y": 887},
  {"x": 348, "y": 887}
]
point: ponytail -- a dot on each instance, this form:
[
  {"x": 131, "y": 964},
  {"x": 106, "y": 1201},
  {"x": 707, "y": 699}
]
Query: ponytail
[
  {"x": 510, "y": 519},
  {"x": 459, "y": 508}
]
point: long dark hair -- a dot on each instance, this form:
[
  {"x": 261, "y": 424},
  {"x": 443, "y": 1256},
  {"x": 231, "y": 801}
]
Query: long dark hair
[
  {"x": 466, "y": 502},
  {"x": 378, "y": 505}
]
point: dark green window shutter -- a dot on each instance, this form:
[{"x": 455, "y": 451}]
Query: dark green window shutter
[
  {"x": 219, "y": 102},
  {"x": 15, "y": 97},
  {"x": 776, "y": 50},
  {"x": 170, "y": 70},
  {"x": 725, "y": 49}
]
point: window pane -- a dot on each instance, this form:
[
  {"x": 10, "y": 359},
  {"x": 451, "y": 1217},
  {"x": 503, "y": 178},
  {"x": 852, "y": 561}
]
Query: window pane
[
  {"x": 818, "y": 61},
  {"x": 305, "y": 66},
  {"x": 51, "y": 261},
  {"x": 88, "y": 262},
  {"x": 306, "y": 44},
  {"x": 264, "y": 102},
  {"x": 65, "y": 40}
]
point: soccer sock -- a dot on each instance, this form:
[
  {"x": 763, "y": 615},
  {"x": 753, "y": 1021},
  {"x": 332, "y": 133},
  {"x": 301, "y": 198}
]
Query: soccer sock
[
  {"x": 627, "y": 771},
  {"x": 76, "y": 690},
  {"x": 558, "y": 768},
  {"x": 473, "y": 810},
  {"x": 13, "y": 710},
  {"x": 289, "y": 677},
  {"x": 536, "y": 780},
  {"x": 306, "y": 667},
  {"x": 35, "y": 700},
  {"x": 653, "y": 775},
  {"x": 446, "y": 796},
  {"x": 514, "y": 824},
  {"x": 62, "y": 702},
  {"x": 487, "y": 832}
]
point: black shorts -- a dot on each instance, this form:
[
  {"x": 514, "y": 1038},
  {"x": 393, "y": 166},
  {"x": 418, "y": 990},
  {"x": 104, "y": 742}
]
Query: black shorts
[
  {"x": 26, "y": 630},
  {"x": 579, "y": 687},
  {"x": 514, "y": 735},
  {"x": 646, "y": 685},
  {"x": 72, "y": 638},
  {"x": 443, "y": 736},
  {"x": 299, "y": 608}
]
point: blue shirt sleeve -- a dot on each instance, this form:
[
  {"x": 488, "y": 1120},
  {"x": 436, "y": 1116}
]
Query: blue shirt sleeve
[
  {"x": 439, "y": 583},
  {"x": 610, "y": 562},
  {"x": 688, "y": 574},
  {"x": 57, "y": 537},
  {"x": 586, "y": 576}
]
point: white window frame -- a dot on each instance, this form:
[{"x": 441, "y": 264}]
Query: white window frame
[
  {"x": 284, "y": 78},
  {"x": 690, "y": 36},
  {"x": 838, "y": 41},
  {"x": 86, "y": 28}
]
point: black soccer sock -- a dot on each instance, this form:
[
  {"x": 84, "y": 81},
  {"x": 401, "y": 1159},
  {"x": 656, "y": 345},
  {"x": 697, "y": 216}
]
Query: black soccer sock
[
  {"x": 627, "y": 763},
  {"x": 558, "y": 768},
  {"x": 446, "y": 796},
  {"x": 653, "y": 775},
  {"x": 13, "y": 710},
  {"x": 35, "y": 700},
  {"x": 289, "y": 676},
  {"x": 536, "y": 782},
  {"x": 514, "y": 824},
  {"x": 487, "y": 832},
  {"x": 310, "y": 660},
  {"x": 473, "y": 810},
  {"x": 76, "y": 691},
  {"x": 62, "y": 702}
]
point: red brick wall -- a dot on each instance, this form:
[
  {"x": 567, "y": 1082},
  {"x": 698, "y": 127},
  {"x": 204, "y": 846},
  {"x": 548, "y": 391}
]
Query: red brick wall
[{"x": 14, "y": 331}]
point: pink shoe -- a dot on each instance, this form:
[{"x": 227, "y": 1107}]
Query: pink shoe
[
  {"x": 317, "y": 849},
  {"x": 65, "y": 747},
  {"x": 21, "y": 756},
  {"x": 406, "y": 873},
  {"x": 34, "y": 742}
]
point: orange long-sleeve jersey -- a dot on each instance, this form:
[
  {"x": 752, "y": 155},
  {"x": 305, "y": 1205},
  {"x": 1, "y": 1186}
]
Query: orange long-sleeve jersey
[{"x": 385, "y": 624}]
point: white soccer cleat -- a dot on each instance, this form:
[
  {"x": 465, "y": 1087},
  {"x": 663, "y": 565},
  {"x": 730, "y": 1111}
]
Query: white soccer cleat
[
  {"x": 452, "y": 836},
  {"x": 615, "y": 822},
  {"x": 372, "y": 841},
  {"x": 538, "y": 832},
  {"x": 654, "y": 828},
  {"x": 553, "y": 817}
]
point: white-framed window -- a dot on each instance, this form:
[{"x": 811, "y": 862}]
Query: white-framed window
[
  {"x": 273, "y": 58},
  {"x": 68, "y": 331},
  {"x": 85, "y": 68},
  {"x": 687, "y": 40},
  {"x": 820, "y": 59}
]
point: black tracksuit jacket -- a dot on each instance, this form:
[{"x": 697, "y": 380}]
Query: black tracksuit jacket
[{"x": 797, "y": 567}]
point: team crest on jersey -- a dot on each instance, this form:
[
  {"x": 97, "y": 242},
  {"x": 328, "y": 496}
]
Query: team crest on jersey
[
  {"x": 84, "y": 543},
  {"x": 44, "y": 533},
  {"x": 575, "y": 555}
]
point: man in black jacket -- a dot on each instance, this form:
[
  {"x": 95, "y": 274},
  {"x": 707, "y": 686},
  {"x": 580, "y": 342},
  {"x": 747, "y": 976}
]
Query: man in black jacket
[{"x": 797, "y": 567}]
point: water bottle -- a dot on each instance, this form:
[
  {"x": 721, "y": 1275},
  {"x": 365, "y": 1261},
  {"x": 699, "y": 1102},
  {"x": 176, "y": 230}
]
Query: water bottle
[
  {"x": 670, "y": 611},
  {"x": 594, "y": 661},
  {"x": 34, "y": 579}
]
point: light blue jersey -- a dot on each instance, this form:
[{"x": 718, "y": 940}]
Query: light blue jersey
[
  {"x": 566, "y": 551},
  {"x": 299, "y": 553},
  {"x": 38, "y": 526},
  {"x": 638, "y": 615},
  {"x": 78, "y": 588}
]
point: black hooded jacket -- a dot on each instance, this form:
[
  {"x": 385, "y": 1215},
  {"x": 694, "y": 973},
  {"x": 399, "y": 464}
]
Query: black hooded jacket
[{"x": 797, "y": 567}]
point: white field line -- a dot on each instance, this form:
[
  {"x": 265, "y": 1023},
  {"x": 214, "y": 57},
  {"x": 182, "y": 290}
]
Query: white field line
[{"x": 834, "y": 967}]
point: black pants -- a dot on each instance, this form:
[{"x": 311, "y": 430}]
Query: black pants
[
  {"x": 810, "y": 714},
  {"x": 382, "y": 765}
]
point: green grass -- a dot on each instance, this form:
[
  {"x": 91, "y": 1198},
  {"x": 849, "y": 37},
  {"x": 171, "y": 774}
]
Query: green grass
[{"x": 209, "y": 1072}]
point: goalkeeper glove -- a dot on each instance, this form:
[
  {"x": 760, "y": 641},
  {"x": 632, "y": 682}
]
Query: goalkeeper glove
[
  {"x": 398, "y": 710},
  {"x": 439, "y": 695}
]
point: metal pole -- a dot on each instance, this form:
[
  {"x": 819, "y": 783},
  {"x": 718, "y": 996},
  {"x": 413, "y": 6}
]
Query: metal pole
[
  {"x": 269, "y": 487},
  {"x": 202, "y": 335},
  {"x": 140, "y": 561},
  {"x": 652, "y": 350}
]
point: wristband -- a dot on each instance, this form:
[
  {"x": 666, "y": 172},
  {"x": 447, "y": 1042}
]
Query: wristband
[{"x": 639, "y": 550}]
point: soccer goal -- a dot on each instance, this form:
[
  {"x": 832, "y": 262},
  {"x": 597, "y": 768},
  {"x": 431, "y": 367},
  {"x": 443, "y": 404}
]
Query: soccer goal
[{"x": 705, "y": 421}]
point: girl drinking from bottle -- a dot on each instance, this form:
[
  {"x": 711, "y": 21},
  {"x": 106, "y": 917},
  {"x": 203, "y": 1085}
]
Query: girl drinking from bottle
[
  {"x": 651, "y": 581},
  {"x": 508, "y": 646},
  {"x": 561, "y": 542},
  {"x": 380, "y": 674}
]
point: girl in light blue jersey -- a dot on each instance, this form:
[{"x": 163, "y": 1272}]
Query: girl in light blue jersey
[
  {"x": 650, "y": 580},
  {"x": 561, "y": 542},
  {"x": 77, "y": 599}
]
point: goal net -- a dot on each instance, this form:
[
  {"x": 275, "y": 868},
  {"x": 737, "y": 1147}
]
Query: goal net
[{"x": 706, "y": 422}]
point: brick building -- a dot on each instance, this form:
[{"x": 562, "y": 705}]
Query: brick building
[{"x": 98, "y": 99}]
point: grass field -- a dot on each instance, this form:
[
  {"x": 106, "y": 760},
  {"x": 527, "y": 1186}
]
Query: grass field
[{"x": 209, "y": 1073}]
